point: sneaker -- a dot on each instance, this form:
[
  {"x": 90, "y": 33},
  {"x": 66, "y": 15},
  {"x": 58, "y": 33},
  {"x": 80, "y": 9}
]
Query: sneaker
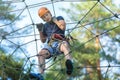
[
  {"x": 36, "y": 76},
  {"x": 69, "y": 67}
]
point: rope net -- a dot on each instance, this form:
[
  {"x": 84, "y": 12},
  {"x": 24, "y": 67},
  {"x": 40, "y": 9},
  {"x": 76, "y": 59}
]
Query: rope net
[{"x": 21, "y": 38}]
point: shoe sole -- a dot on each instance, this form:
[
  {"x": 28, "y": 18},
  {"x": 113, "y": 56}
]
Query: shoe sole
[
  {"x": 69, "y": 67},
  {"x": 36, "y": 76}
]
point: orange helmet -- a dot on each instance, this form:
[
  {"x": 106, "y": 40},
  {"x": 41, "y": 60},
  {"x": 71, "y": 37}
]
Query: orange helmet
[{"x": 42, "y": 11}]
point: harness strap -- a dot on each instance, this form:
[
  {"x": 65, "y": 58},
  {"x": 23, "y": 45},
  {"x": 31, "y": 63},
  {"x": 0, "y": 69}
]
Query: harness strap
[{"x": 56, "y": 37}]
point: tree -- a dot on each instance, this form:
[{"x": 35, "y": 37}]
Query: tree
[
  {"x": 10, "y": 66},
  {"x": 88, "y": 49},
  {"x": 5, "y": 16},
  {"x": 95, "y": 29}
]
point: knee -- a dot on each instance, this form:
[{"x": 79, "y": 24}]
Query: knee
[
  {"x": 64, "y": 44},
  {"x": 44, "y": 53}
]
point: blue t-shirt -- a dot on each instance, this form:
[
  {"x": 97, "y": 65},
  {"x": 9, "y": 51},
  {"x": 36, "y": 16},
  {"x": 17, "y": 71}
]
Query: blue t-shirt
[{"x": 51, "y": 28}]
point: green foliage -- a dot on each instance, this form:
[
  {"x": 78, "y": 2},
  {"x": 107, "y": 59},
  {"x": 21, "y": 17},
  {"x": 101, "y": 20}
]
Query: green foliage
[
  {"x": 84, "y": 48},
  {"x": 9, "y": 67},
  {"x": 5, "y": 15}
]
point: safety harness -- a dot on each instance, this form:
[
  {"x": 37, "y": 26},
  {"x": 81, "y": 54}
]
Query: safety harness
[{"x": 56, "y": 37}]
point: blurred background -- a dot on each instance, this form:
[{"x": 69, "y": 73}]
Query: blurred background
[{"x": 94, "y": 26}]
